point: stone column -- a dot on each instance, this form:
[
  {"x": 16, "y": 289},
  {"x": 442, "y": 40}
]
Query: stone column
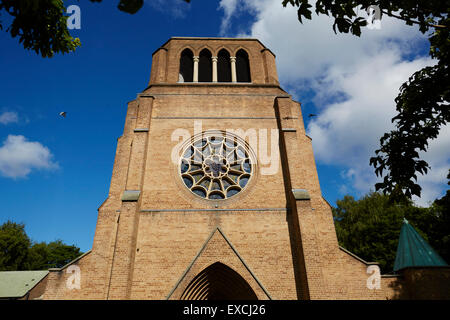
[
  {"x": 233, "y": 69},
  {"x": 196, "y": 60},
  {"x": 214, "y": 69}
]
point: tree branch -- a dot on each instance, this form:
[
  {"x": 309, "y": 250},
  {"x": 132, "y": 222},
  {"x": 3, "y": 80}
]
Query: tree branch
[{"x": 413, "y": 21}]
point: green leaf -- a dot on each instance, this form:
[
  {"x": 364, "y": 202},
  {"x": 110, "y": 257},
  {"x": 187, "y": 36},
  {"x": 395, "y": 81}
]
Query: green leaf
[{"x": 130, "y": 6}]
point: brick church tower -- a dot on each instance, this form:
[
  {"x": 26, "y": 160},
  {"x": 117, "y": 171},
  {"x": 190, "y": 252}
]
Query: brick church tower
[{"x": 214, "y": 192}]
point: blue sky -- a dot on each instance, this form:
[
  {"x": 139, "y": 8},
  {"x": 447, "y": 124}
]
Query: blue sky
[{"x": 55, "y": 172}]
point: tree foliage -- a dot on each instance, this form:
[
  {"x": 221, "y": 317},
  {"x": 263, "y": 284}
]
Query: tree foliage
[
  {"x": 370, "y": 227},
  {"x": 41, "y": 25},
  {"x": 55, "y": 254},
  {"x": 441, "y": 241},
  {"x": 18, "y": 252},
  {"x": 14, "y": 244},
  {"x": 423, "y": 108},
  {"x": 423, "y": 101}
]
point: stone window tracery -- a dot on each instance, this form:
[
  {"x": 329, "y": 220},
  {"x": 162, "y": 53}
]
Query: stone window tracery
[{"x": 217, "y": 165}]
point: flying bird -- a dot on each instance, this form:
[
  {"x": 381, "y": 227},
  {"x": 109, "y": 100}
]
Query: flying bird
[
  {"x": 312, "y": 115},
  {"x": 63, "y": 114}
]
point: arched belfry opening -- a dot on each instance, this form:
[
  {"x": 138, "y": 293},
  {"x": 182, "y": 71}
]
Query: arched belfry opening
[
  {"x": 242, "y": 66},
  {"x": 205, "y": 66},
  {"x": 223, "y": 66},
  {"x": 218, "y": 282},
  {"x": 186, "y": 66}
]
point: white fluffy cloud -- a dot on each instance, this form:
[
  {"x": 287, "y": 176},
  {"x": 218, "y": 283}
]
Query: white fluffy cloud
[
  {"x": 8, "y": 117},
  {"x": 355, "y": 81},
  {"x": 347, "y": 133},
  {"x": 18, "y": 157},
  {"x": 229, "y": 8}
]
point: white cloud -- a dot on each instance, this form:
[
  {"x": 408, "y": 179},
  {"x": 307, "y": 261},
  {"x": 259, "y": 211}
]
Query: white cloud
[
  {"x": 347, "y": 133},
  {"x": 233, "y": 9},
  {"x": 18, "y": 157},
  {"x": 309, "y": 49},
  {"x": 364, "y": 72},
  {"x": 229, "y": 8},
  {"x": 9, "y": 117}
]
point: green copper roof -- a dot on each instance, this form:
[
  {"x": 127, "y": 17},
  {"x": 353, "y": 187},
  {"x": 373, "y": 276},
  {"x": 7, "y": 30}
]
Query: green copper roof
[
  {"x": 15, "y": 284},
  {"x": 414, "y": 251}
]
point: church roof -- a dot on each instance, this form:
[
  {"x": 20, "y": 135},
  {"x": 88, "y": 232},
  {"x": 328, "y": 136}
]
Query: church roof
[
  {"x": 414, "y": 251},
  {"x": 16, "y": 284}
]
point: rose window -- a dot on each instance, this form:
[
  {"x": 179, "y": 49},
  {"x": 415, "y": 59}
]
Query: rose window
[{"x": 216, "y": 166}]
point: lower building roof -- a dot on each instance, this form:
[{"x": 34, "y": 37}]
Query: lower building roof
[
  {"x": 16, "y": 284},
  {"x": 414, "y": 251}
]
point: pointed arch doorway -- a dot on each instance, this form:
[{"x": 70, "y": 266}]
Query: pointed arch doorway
[{"x": 218, "y": 282}]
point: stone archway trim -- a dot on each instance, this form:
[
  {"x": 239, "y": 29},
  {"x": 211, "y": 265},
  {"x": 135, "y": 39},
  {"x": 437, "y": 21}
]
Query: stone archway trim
[{"x": 235, "y": 252}]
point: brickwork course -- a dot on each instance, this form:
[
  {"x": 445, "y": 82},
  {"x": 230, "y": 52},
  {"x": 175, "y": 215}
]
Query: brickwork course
[{"x": 154, "y": 237}]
